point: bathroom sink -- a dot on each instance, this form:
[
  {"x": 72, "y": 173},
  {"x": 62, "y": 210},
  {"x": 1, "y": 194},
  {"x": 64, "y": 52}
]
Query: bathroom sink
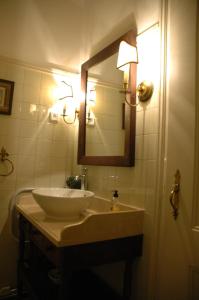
[{"x": 62, "y": 203}]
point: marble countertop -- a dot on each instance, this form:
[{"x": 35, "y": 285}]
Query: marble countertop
[{"x": 96, "y": 224}]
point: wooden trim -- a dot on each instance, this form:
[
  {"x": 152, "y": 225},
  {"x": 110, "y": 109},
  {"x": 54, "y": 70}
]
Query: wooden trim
[{"x": 128, "y": 158}]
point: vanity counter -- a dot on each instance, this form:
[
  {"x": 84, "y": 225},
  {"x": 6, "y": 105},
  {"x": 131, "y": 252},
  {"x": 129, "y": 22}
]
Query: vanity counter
[{"x": 96, "y": 224}]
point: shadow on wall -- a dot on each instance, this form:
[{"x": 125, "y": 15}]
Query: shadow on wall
[
  {"x": 126, "y": 24},
  {"x": 8, "y": 257}
]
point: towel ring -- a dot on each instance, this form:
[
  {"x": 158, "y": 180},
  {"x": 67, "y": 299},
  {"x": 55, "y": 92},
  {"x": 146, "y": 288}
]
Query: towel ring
[{"x": 3, "y": 157}]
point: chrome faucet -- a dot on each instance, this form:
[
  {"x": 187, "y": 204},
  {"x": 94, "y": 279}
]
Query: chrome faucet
[{"x": 84, "y": 179}]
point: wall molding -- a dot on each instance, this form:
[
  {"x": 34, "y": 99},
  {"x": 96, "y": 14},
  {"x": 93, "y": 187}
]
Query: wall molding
[
  {"x": 161, "y": 172},
  {"x": 195, "y": 207},
  {"x": 50, "y": 68}
]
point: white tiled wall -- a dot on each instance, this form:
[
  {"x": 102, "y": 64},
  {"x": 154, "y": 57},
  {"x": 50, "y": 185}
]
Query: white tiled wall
[{"x": 42, "y": 152}]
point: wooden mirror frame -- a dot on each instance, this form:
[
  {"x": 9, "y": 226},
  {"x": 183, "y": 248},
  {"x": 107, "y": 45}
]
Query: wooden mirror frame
[{"x": 128, "y": 158}]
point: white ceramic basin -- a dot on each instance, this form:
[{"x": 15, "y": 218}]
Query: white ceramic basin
[{"x": 62, "y": 203}]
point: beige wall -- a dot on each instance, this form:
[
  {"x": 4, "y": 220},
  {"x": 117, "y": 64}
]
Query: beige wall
[{"x": 67, "y": 33}]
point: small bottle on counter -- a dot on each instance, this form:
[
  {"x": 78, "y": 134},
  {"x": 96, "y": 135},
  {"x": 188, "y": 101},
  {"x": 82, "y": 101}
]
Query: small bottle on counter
[{"x": 115, "y": 201}]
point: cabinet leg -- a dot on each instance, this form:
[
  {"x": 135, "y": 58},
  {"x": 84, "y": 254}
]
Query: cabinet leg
[
  {"x": 20, "y": 260},
  {"x": 127, "y": 281},
  {"x": 19, "y": 283},
  {"x": 64, "y": 287},
  {"x": 65, "y": 273}
]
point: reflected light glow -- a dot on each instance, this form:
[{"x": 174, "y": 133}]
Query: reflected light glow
[{"x": 149, "y": 55}]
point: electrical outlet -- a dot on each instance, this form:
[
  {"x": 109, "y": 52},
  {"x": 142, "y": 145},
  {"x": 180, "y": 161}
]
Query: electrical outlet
[
  {"x": 53, "y": 117},
  {"x": 90, "y": 121}
]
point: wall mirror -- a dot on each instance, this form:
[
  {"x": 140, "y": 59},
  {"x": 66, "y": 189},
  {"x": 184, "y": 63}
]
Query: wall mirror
[{"x": 106, "y": 122}]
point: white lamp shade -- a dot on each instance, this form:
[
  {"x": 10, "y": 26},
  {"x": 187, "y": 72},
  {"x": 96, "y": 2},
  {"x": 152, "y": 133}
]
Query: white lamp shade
[{"x": 127, "y": 54}]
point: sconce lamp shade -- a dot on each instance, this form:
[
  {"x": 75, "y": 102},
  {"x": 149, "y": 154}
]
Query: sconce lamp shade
[
  {"x": 127, "y": 54},
  {"x": 66, "y": 91}
]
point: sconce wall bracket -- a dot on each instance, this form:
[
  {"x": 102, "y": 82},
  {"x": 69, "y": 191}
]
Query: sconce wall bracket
[{"x": 145, "y": 91}]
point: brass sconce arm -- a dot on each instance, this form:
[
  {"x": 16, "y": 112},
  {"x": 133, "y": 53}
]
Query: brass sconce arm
[{"x": 144, "y": 92}]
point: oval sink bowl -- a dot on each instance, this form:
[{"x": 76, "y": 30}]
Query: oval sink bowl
[{"x": 62, "y": 203}]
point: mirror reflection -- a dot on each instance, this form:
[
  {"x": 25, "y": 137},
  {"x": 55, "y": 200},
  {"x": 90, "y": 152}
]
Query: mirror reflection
[{"x": 105, "y": 132}]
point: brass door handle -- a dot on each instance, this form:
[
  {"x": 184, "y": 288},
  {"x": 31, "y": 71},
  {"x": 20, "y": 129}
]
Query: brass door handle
[{"x": 174, "y": 195}]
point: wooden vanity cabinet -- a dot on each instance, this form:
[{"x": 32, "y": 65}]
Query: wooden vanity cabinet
[{"x": 37, "y": 256}]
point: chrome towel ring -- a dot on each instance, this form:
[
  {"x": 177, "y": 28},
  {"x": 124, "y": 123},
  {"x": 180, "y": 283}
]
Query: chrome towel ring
[{"x": 3, "y": 158}]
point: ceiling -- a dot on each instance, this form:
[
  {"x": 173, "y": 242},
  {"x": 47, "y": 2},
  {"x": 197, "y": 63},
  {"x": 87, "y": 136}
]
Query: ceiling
[{"x": 65, "y": 33}]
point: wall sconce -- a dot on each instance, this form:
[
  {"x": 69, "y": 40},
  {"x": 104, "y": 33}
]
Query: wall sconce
[
  {"x": 127, "y": 55},
  {"x": 69, "y": 107}
]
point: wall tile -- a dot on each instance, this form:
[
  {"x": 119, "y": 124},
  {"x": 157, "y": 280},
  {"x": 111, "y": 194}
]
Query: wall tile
[
  {"x": 26, "y": 146},
  {"x": 32, "y": 78},
  {"x": 25, "y": 166},
  {"x": 139, "y": 123},
  {"x": 27, "y": 129},
  {"x": 59, "y": 150},
  {"x": 150, "y": 146},
  {"x": 16, "y": 109},
  {"x": 139, "y": 147},
  {"x": 9, "y": 143},
  {"x": 18, "y": 92},
  {"x": 28, "y": 111},
  {"x": 42, "y": 113},
  {"x": 47, "y": 80},
  {"x": 3, "y": 67},
  {"x": 43, "y": 148},
  {"x": 8, "y": 182},
  {"x": 151, "y": 124},
  {"x": 15, "y": 73},
  {"x": 5, "y": 196},
  {"x": 9, "y": 126},
  {"x": 46, "y": 96},
  {"x": 45, "y": 131},
  {"x": 60, "y": 132},
  {"x": 31, "y": 94},
  {"x": 42, "y": 170},
  {"x": 42, "y": 180},
  {"x": 25, "y": 182},
  {"x": 150, "y": 169},
  {"x": 58, "y": 174}
]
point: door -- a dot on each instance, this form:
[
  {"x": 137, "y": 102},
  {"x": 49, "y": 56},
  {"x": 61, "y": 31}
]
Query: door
[{"x": 178, "y": 253}]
